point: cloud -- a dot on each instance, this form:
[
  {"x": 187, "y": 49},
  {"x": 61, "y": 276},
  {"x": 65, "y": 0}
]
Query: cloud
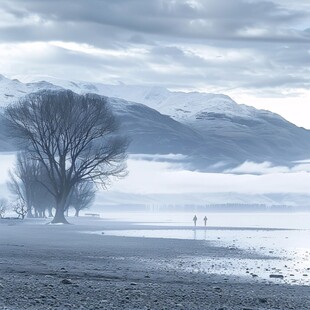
[
  {"x": 155, "y": 176},
  {"x": 241, "y": 46},
  {"x": 249, "y": 167},
  {"x": 158, "y": 157},
  {"x": 266, "y": 167},
  {"x": 151, "y": 177},
  {"x": 204, "y": 19}
]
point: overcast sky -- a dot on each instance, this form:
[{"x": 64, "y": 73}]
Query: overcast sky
[{"x": 255, "y": 51}]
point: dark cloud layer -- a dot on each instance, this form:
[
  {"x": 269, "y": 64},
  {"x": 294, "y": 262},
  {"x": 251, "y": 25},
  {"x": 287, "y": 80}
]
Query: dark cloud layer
[
  {"x": 231, "y": 43},
  {"x": 204, "y": 19}
]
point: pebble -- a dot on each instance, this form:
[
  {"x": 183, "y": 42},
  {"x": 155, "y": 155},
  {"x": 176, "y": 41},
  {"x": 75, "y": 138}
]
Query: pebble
[
  {"x": 66, "y": 281},
  {"x": 262, "y": 300},
  {"x": 276, "y": 276}
]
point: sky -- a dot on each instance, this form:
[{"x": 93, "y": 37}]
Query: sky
[
  {"x": 256, "y": 51},
  {"x": 253, "y": 50}
]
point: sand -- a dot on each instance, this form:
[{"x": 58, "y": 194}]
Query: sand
[{"x": 60, "y": 267}]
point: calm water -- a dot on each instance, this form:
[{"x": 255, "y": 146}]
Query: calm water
[
  {"x": 262, "y": 220},
  {"x": 287, "y": 249}
]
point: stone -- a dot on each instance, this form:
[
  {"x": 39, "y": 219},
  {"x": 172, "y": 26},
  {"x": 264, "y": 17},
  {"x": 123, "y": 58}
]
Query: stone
[
  {"x": 66, "y": 281},
  {"x": 276, "y": 276}
]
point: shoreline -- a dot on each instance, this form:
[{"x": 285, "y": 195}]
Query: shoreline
[{"x": 110, "y": 272}]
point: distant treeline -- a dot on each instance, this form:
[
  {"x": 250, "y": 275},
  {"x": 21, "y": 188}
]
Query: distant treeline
[{"x": 225, "y": 207}]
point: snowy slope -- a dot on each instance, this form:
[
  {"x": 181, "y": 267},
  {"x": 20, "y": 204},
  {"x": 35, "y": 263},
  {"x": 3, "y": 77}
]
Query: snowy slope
[
  {"x": 11, "y": 90},
  {"x": 207, "y": 128},
  {"x": 179, "y": 105},
  {"x": 149, "y": 131}
]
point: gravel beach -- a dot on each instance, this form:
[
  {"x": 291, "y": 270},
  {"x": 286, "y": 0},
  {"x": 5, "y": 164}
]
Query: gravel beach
[{"x": 59, "y": 267}]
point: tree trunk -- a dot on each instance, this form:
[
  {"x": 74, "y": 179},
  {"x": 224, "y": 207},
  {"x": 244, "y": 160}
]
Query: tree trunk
[
  {"x": 77, "y": 212},
  {"x": 29, "y": 213},
  {"x": 50, "y": 213},
  {"x": 59, "y": 217},
  {"x": 61, "y": 203}
]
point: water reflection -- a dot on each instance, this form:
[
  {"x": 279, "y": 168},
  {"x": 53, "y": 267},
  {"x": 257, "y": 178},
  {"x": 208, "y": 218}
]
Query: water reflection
[{"x": 289, "y": 251}]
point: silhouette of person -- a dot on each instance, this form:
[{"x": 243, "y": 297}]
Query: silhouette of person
[
  {"x": 205, "y": 219},
  {"x": 195, "y": 220}
]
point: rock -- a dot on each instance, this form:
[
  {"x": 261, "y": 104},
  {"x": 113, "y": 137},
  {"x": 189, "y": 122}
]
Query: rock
[
  {"x": 1, "y": 286},
  {"x": 217, "y": 289},
  {"x": 66, "y": 281},
  {"x": 276, "y": 276},
  {"x": 262, "y": 300}
]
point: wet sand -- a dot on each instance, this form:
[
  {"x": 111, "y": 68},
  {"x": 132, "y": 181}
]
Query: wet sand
[{"x": 58, "y": 267}]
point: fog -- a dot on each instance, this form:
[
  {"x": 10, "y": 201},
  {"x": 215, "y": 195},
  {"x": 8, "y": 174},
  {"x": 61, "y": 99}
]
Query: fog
[{"x": 153, "y": 181}]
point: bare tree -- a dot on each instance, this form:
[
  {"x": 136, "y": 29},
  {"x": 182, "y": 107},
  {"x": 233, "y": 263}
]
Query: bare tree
[
  {"x": 3, "y": 207},
  {"x": 73, "y": 136},
  {"x": 20, "y": 209},
  {"x": 82, "y": 196},
  {"x": 23, "y": 181}
]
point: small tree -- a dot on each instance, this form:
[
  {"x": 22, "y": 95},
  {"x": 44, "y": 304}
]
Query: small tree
[
  {"x": 74, "y": 137},
  {"x": 82, "y": 196},
  {"x": 3, "y": 207},
  {"x": 20, "y": 209},
  {"x": 26, "y": 185}
]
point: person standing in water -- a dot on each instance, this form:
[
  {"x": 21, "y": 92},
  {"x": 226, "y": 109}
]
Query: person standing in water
[
  {"x": 195, "y": 220},
  {"x": 205, "y": 219}
]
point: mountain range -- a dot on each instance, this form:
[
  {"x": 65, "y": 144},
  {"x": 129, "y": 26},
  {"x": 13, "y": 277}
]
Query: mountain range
[{"x": 212, "y": 131}]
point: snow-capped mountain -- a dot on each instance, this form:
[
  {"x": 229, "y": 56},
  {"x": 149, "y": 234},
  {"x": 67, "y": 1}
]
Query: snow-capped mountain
[
  {"x": 181, "y": 106},
  {"x": 149, "y": 131},
  {"x": 213, "y": 131}
]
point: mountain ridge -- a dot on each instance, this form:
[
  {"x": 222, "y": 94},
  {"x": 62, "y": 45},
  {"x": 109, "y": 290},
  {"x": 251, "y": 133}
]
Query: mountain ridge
[{"x": 211, "y": 130}]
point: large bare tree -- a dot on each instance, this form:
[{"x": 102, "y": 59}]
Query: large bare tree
[{"x": 73, "y": 136}]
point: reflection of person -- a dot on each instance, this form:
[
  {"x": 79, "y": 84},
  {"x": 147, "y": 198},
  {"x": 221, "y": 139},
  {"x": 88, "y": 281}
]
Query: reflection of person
[
  {"x": 205, "y": 219},
  {"x": 195, "y": 220}
]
